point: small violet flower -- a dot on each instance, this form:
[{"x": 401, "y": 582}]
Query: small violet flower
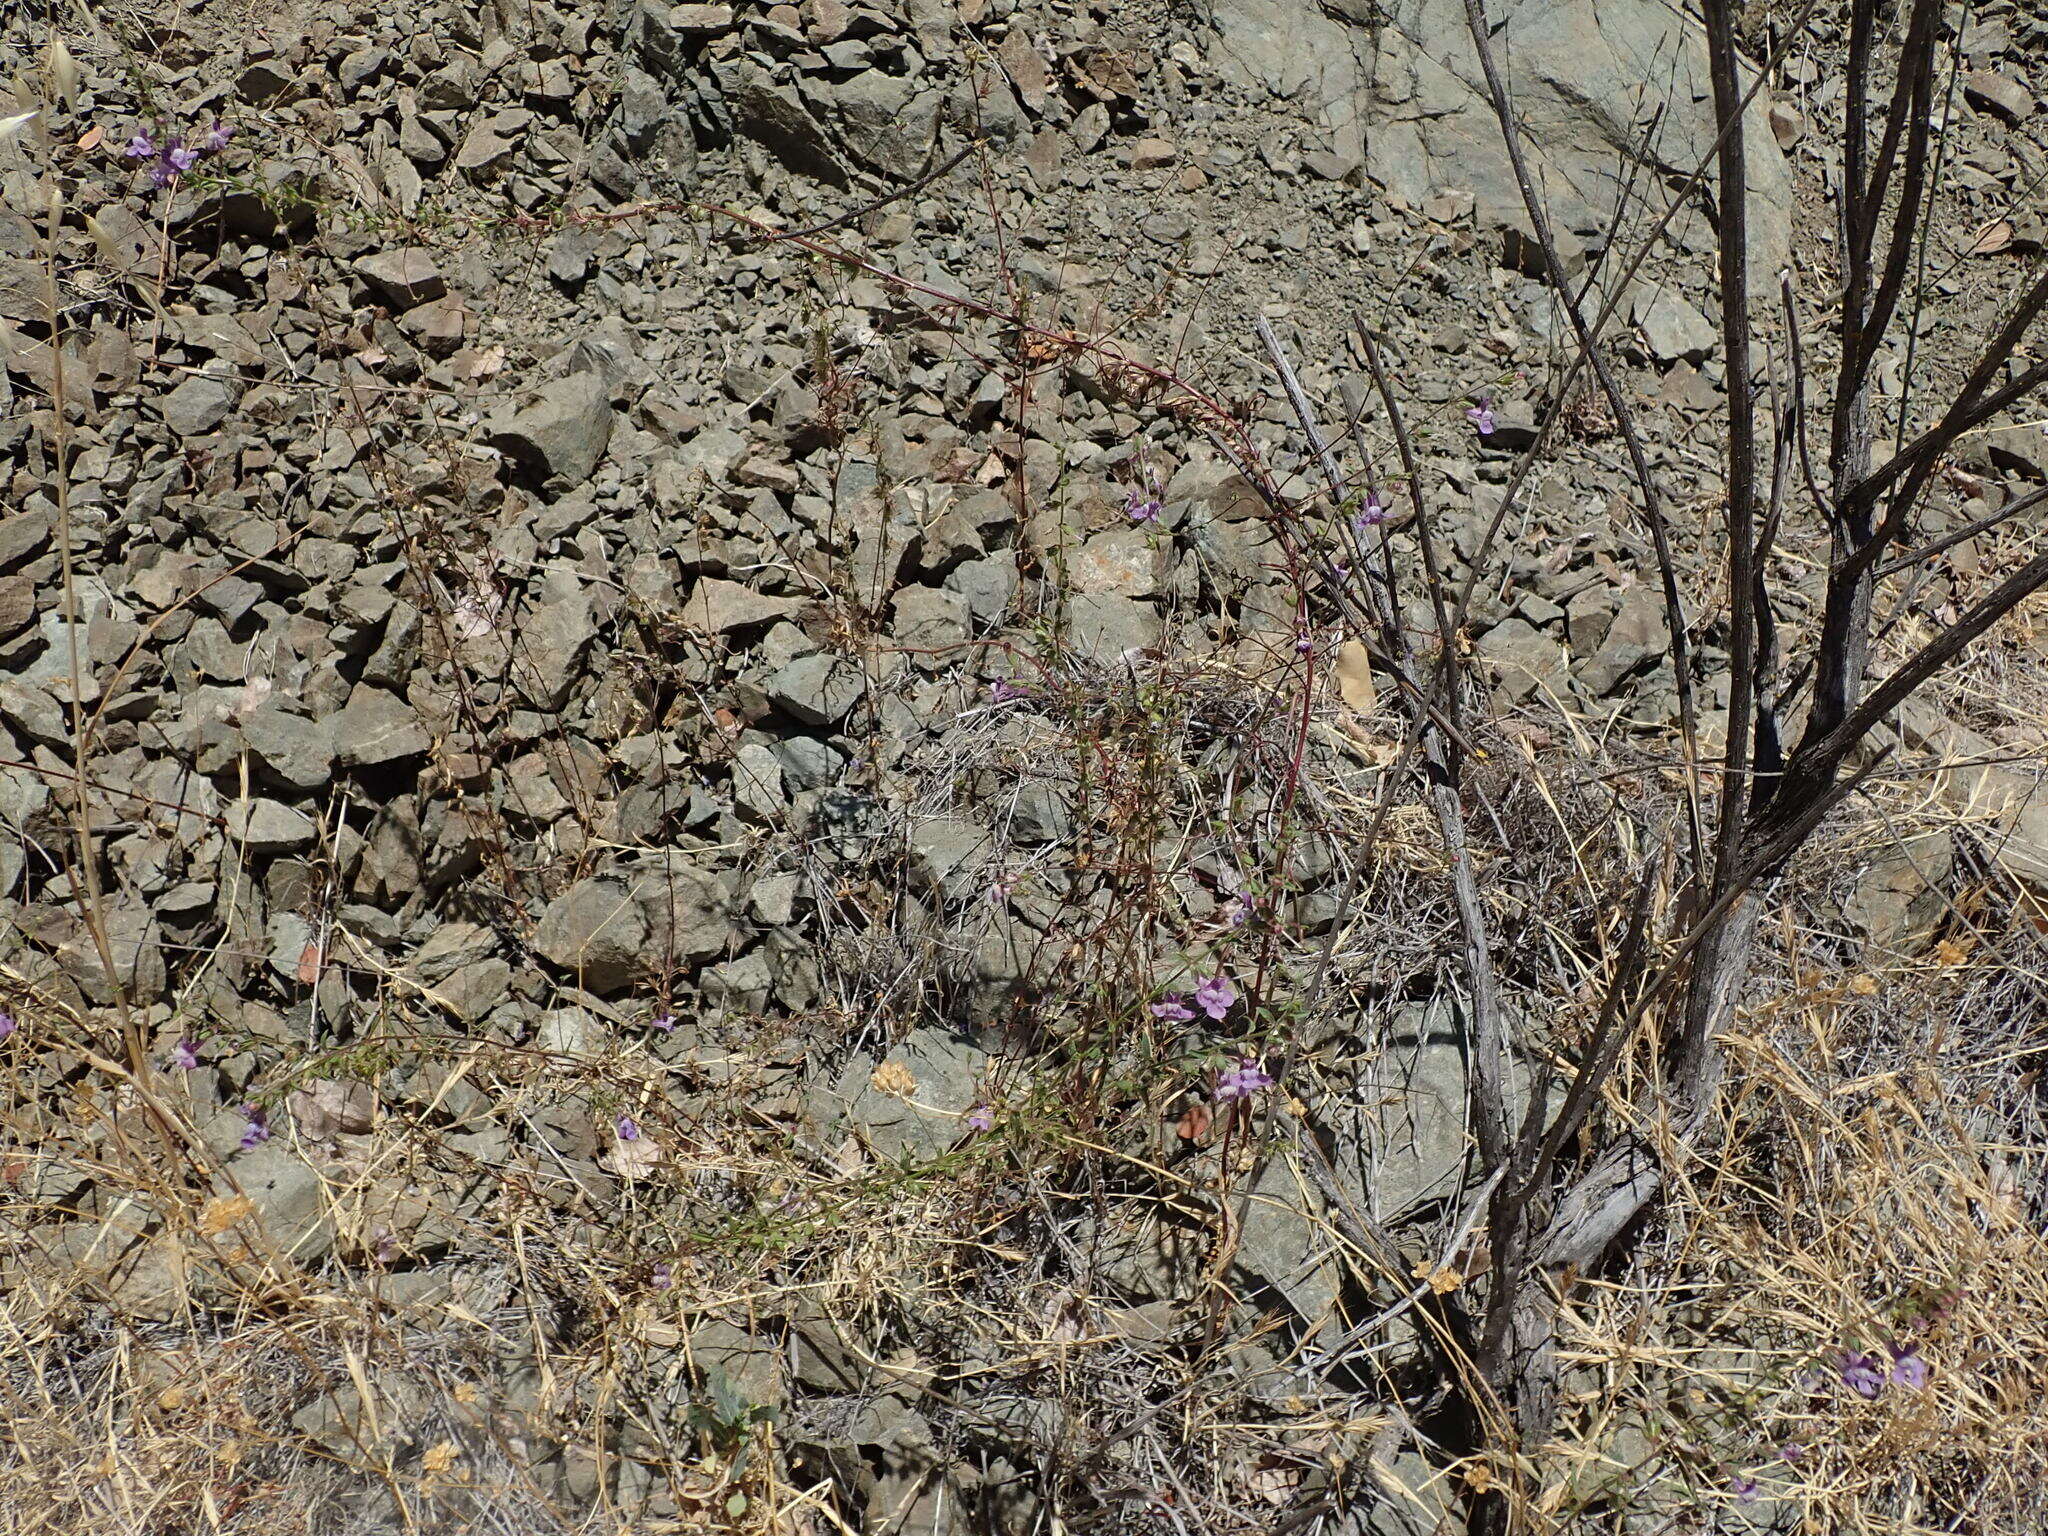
[
  {"x": 1140, "y": 508},
  {"x": 1371, "y": 515},
  {"x": 1909, "y": 1370},
  {"x": 141, "y": 147},
  {"x": 1002, "y": 690},
  {"x": 7, "y": 1025},
  {"x": 216, "y": 139},
  {"x": 1791, "y": 1450},
  {"x": 665, "y": 1022},
  {"x": 664, "y": 1277},
  {"x": 1241, "y": 1080},
  {"x": 257, "y": 1131},
  {"x": 1481, "y": 416},
  {"x": 1745, "y": 1489},
  {"x": 1215, "y": 996},
  {"x": 627, "y": 1130},
  {"x": 981, "y": 1118},
  {"x": 1172, "y": 1009},
  {"x": 183, "y": 1056},
  {"x": 1861, "y": 1375}
]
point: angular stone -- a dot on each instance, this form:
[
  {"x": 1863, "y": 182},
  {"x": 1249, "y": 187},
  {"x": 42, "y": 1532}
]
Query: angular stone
[
  {"x": 266, "y": 826},
  {"x": 405, "y": 277},
  {"x": 721, "y": 607},
  {"x": 1104, "y": 627},
  {"x": 1672, "y": 328},
  {"x": 296, "y": 752},
  {"x": 376, "y": 726},
  {"x": 1637, "y": 636},
  {"x": 1523, "y": 657},
  {"x": 913, "y": 1104},
  {"x": 597, "y": 930},
  {"x": 1123, "y": 562},
  {"x": 931, "y": 624},
  {"x": 757, "y": 782},
  {"x": 563, "y": 433},
  {"x": 818, "y": 690},
  {"x": 198, "y": 405}
]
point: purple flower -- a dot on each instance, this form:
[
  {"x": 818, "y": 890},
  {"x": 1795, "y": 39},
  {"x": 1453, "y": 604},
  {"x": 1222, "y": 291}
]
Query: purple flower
[
  {"x": 627, "y": 1130},
  {"x": 1908, "y": 1368},
  {"x": 257, "y": 1131},
  {"x": 1304, "y": 643},
  {"x": 1215, "y": 996},
  {"x": 1241, "y": 1080},
  {"x": 1172, "y": 1009},
  {"x": 1371, "y": 515},
  {"x": 183, "y": 1056},
  {"x": 216, "y": 138},
  {"x": 1745, "y": 1489},
  {"x": 665, "y": 1022},
  {"x": 981, "y": 1118},
  {"x": 1791, "y": 1450},
  {"x": 664, "y": 1277},
  {"x": 1140, "y": 508},
  {"x": 7, "y": 1025},
  {"x": 1002, "y": 690},
  {"x": 160, "y": 174},
  {"x": 141, "y": 147},
  {"x": 1861, "y": 1375},
  {"x": 1481, "y": 415}
]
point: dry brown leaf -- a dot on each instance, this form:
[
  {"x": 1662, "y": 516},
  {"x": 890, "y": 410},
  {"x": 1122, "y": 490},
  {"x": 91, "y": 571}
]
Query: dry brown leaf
[
  {"x": 223, "y": 1211},
  {"x": 309, "y": 964},
  {"x": 635, "y": 1159},
  {"x": 64, "y": 73},
  {"x": 892, "y": 1077},
  {"x": 1354, "y": 678},
  {"x": 331, "y": 1107},
  {"x": 1991, "y": 239},
  {"x": 440, "y": 1456}
]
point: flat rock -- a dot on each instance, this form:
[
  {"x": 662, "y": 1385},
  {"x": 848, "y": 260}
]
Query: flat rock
[
  {"x": 376, "y": 726},
  {"x": 818, "y": 690},
  {"x": 721, "y": 607},
  {"x": 404, "y": 277}
]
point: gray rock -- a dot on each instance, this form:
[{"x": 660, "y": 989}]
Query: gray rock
[
  {"x": 562, "y": 434},
  {"x": 740, "y": 1369},
  {"x": 569, "y": 1032},
  {"x": 1998, "y": 93},
  {"x": 1105, "y": 627},
  {"x": 727, "y": 608},
  {"x": 266, "y": 826},
  {"x": 818, "y": 690},
  {"x": 1287, "y": 1242},
  {"x": 988, "y": 585},
  {"x": 199, "y": 404},
  {"x": 1523, "y": 658},
  {"x": 404, "y": 277},
  {"x": 548, "y": 661},
  {"x": 1898, "y": 899},
  {"x": 757, "y": 782},
  {"x": 949, "y": 855},
  {"x": 931, "y": 623},
  {"x": 290, "y": 1199},
  {"x": 298, "y": 753},
  {"x": 1580, "y": 72},
  {"x": 376, "y": 726},
  {"x": 1124, "y": 562},
  {"x": 944, "y": 1082},
  {"x": 773, "y": 117},
  {"x": 1671, "y": 327},
  {"x": 596, "y": 929},
  {"x": 1637, "y": 636}
]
